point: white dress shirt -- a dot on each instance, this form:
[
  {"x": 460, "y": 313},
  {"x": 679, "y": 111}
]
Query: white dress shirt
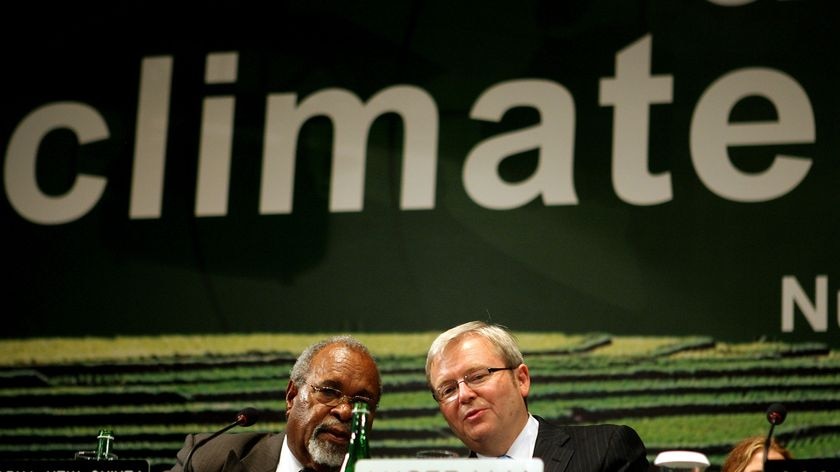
[
  {"x": 523, "y": 445},
  {"x": 288, "y": 462}
]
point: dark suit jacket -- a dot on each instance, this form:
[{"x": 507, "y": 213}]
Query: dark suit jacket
[
  {"x": 592, "y": 448},
  {"x": 232, "y": 452}
]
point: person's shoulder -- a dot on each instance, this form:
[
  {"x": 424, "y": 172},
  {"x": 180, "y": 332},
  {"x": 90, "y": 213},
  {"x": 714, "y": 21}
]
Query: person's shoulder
[
  {"x": 212, "y": 453},
  {"x": 588, "y": 430},
  {"x": 588, "y": 427},
  {"x": 234, "y": 440}
]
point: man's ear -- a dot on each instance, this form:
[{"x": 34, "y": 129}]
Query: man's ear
[
  {"x": 291, "y": 394},
  {"x": 523, "y": 378}
]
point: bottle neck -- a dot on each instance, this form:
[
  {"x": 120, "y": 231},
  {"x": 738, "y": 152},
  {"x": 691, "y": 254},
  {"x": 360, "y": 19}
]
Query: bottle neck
[{"x": 103, "y": 444}]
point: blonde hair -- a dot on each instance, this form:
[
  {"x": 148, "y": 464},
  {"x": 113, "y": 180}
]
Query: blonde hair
[
  {"x": 501, "y": 339},
  {"x": 743, "y": 452}
]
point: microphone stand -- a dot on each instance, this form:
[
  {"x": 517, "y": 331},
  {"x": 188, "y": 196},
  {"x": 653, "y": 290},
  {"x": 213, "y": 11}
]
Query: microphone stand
[{"x": 246, "y": 417}]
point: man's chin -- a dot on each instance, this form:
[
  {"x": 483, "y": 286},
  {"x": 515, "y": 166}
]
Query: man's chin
[
  {"x": 327, "y": 452},
  {"x": 476, "y": 437}
]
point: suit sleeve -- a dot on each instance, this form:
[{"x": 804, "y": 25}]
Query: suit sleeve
[
  {"x": 226, "y": 453},
  {"x": 626, "y": 452},
  {"x": 189, "y": 442}
]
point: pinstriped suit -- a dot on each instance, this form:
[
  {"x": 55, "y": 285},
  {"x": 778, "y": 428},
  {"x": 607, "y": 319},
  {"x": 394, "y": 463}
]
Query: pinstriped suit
[{"x": 593, "y": 448}]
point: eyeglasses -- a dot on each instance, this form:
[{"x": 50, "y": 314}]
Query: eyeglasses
[
  {"x": 448, "y": 391},
  {"x": 333, "y": 397}
]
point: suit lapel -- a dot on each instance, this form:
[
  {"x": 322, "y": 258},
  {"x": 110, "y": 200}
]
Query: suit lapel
[{"x": 553, "y": 447}]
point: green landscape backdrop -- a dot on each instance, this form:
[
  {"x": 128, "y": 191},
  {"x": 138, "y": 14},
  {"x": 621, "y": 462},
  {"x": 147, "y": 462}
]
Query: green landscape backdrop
[{"x": 677, "y": 392}]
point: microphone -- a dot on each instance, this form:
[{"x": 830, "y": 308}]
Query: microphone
[
  {"x": 245, "y": 417},
  {"x": 776, "y": 414}
]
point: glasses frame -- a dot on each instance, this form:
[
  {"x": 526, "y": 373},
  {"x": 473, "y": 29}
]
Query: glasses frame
[
  {"x": 490, "y": 371},
  {"x": 341, "y": 397}
]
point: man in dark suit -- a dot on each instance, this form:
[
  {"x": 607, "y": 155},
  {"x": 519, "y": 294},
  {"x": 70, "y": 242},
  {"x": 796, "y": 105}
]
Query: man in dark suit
[
  {"x": 325, "y": 380},
  {"x": 479, "y": 378}
]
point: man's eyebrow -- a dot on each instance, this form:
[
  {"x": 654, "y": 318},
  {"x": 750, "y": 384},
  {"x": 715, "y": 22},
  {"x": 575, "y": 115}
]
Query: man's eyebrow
[
  {"x": 365, "y": 393},
  {"x": 469, "y": 371},
  {"x": 332, "y": 383}
]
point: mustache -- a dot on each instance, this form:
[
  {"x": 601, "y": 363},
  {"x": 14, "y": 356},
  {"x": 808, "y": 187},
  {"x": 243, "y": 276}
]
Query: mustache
[{"x": 332, "y": 424}]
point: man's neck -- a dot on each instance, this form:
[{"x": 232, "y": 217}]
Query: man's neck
[{"x": 499, "y": 447}]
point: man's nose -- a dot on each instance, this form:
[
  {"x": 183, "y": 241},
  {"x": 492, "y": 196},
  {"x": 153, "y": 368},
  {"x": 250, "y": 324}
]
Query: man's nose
[
  {"x": 343, "y": 411},
  {"x": 465, "y": 393}
]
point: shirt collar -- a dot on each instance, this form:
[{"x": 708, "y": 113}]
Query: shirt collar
[
  {"x": 523, "y": 445},
  {"x": 288, "y": 462}
]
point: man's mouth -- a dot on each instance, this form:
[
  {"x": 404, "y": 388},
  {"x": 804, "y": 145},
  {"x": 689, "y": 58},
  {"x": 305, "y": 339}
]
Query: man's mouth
[
  {"x": 473, "y": 414},
  {"x": 334, "y": 434}
]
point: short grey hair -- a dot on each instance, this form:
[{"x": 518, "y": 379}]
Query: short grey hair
[
  {"x": 499, "y": 336},
  {"x": 303, "y": 365}
]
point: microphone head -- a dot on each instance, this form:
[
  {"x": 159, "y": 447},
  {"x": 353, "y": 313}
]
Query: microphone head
[
  {"x": 776, "y": 413},
  {"x": 247, "y": 416}
]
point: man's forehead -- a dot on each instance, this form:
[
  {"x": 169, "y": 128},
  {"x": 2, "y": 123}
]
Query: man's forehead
[
  {"x": 464, "y": 355},
  {"x": 336, "y": 365},
  {"x": 337, "y": 355},
  {"x": 472, "y": 346}
]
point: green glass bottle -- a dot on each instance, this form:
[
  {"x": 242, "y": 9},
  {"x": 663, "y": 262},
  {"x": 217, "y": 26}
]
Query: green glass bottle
[
  {"x": 358, "y": 447},
  {"x": 103, "y": 445}
]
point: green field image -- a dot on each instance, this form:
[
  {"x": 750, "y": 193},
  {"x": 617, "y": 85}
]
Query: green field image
[{"x": 677, "y": 392}]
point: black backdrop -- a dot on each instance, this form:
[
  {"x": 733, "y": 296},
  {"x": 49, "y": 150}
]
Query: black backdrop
[{"x": 696, "y": 262}]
